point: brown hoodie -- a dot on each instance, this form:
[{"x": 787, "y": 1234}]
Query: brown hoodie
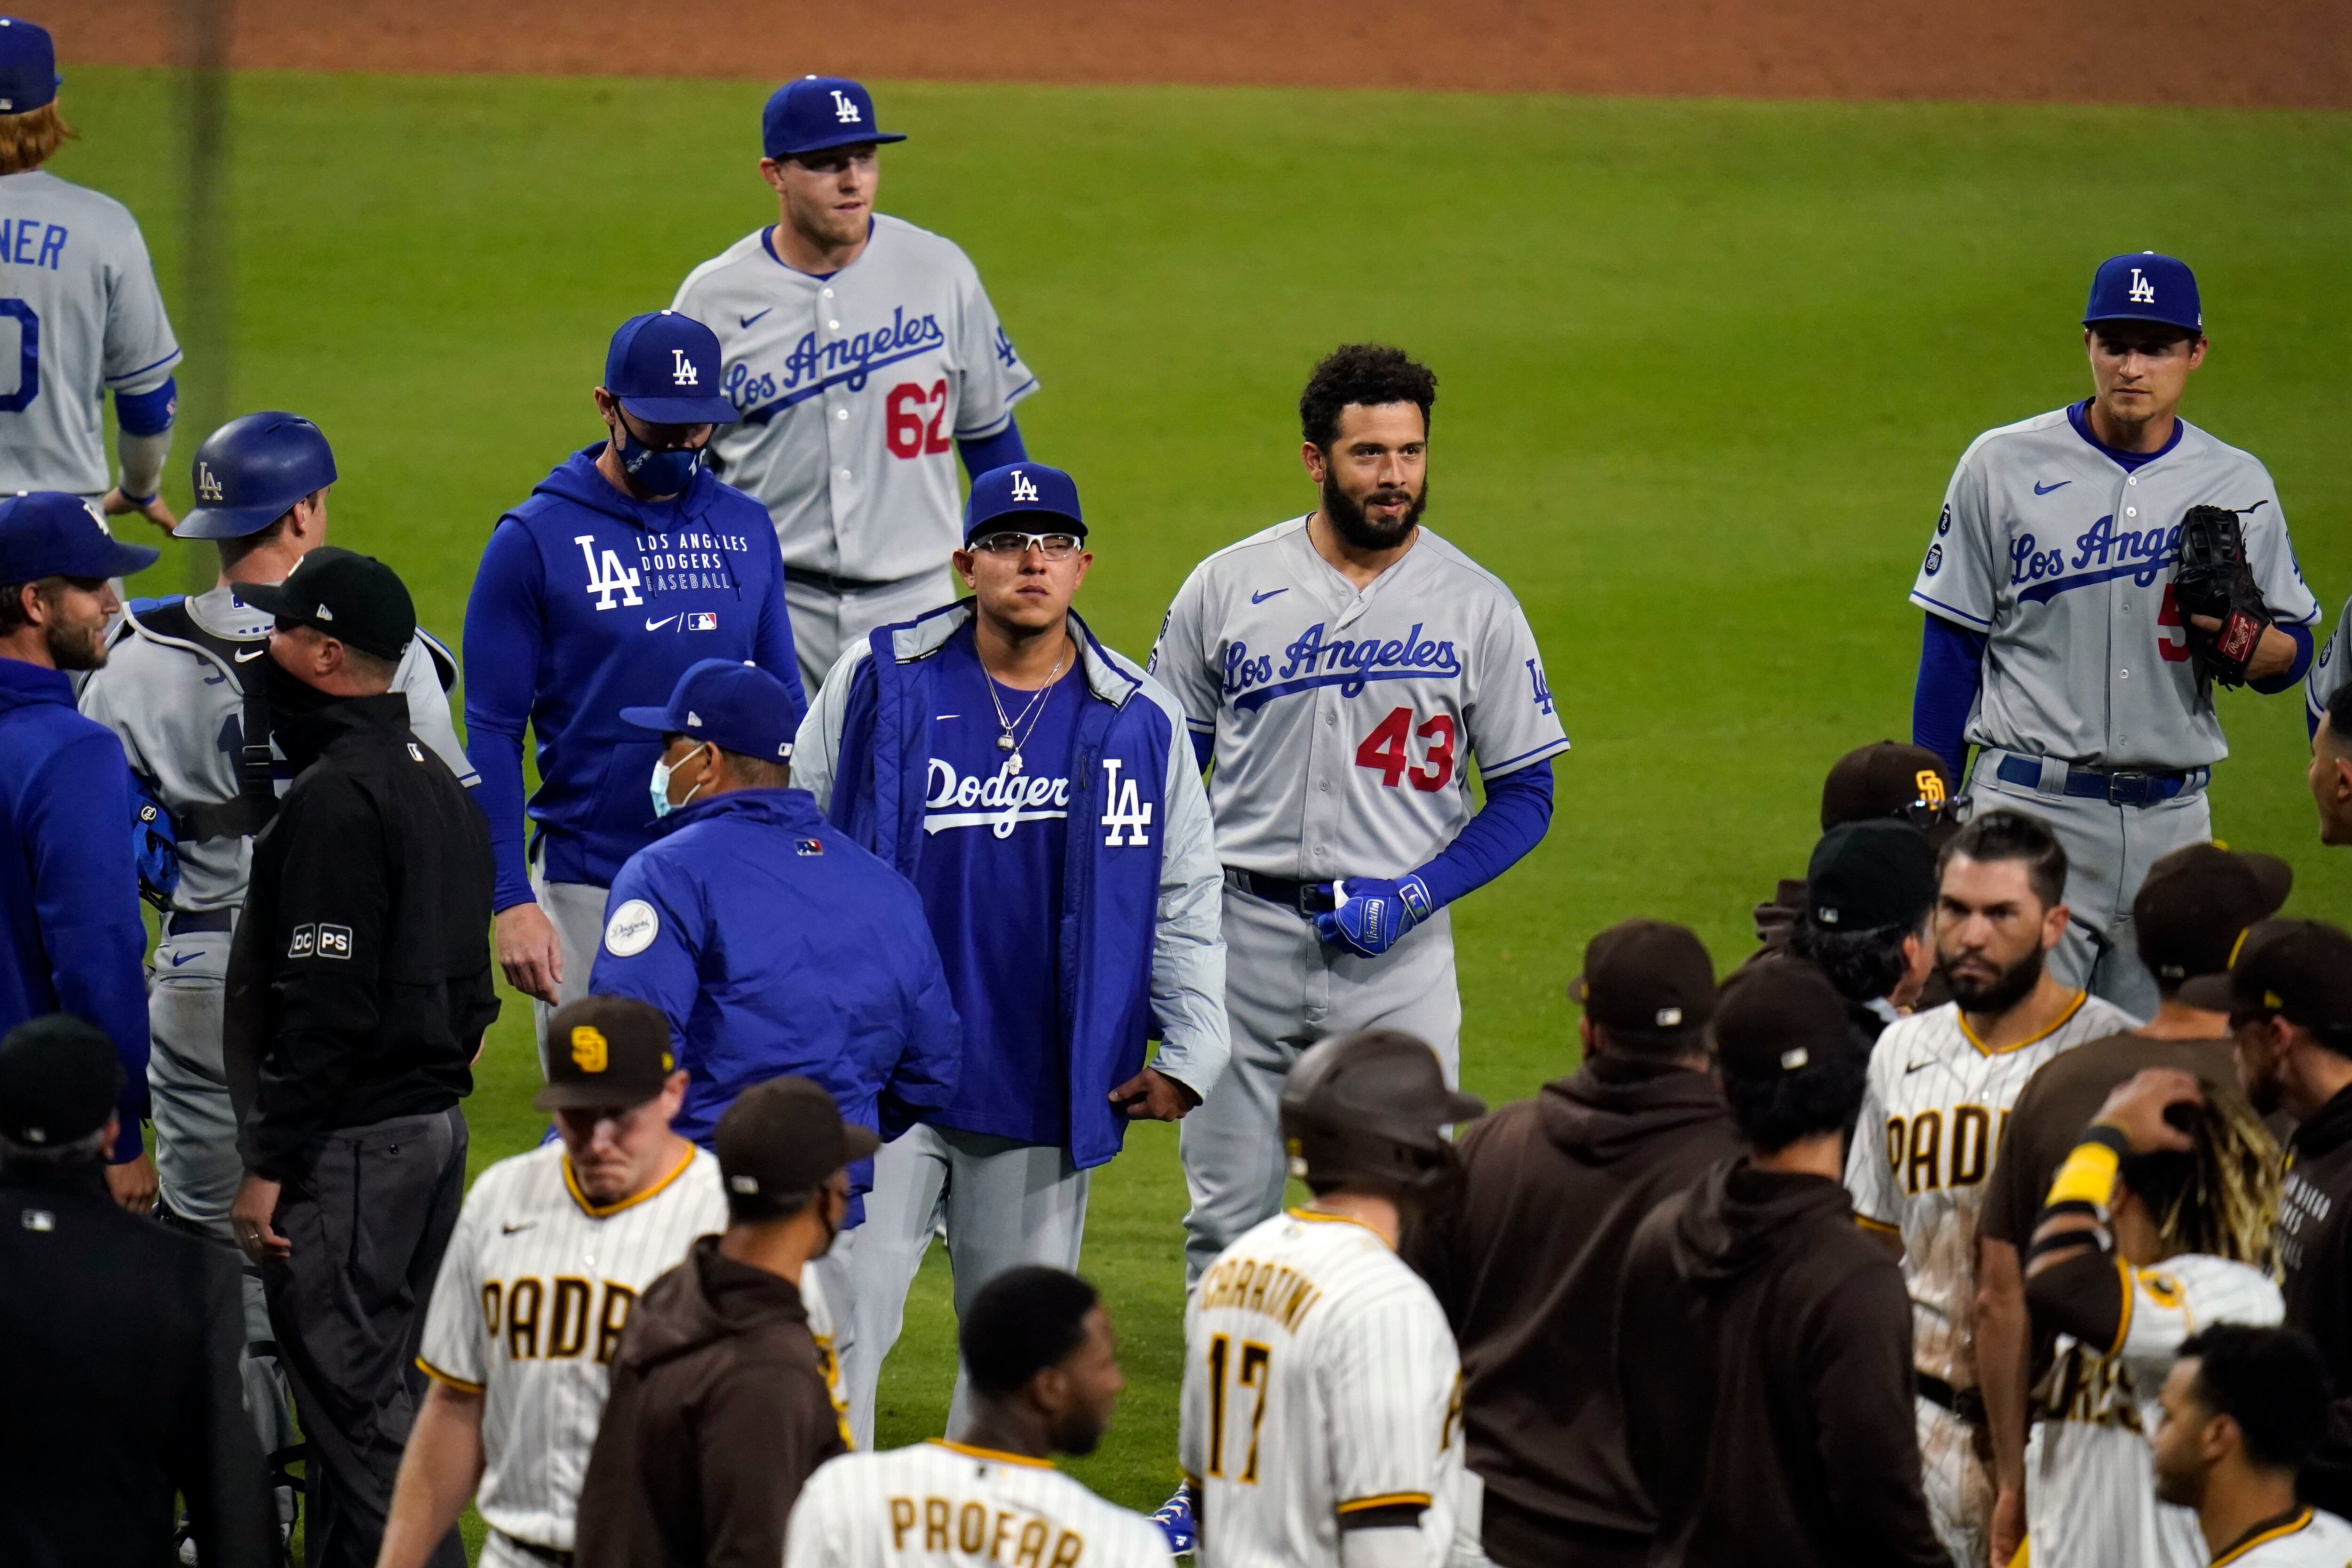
[
  {"x": 1764, "y": 1345},
  {"x": 718, "y": 1414},
  {"x": 1527, "y": 1269}
]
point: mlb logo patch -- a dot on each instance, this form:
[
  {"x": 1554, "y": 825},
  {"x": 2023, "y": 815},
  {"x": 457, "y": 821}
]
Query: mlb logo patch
[
  {"x": 808, "y": 845},
  {"x": 702, "y": 621}
]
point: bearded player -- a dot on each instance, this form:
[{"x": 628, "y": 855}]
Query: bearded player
[{"x": 1941, "y": 1083}]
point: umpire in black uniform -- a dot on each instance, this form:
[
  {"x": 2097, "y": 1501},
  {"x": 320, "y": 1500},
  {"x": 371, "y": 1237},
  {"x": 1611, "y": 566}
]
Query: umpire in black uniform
[
  {"x": 359, "y": 987},
  {"x": 119, "y": 1339}
]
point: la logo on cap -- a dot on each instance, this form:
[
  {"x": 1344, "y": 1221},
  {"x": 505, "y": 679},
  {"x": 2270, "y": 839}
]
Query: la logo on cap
[
  {"x": 845, "y": 108},
  {"x": 2143, "y": 292},
  {"x": 682, "y": 369},
  {"x": 1021, "y": 489}
]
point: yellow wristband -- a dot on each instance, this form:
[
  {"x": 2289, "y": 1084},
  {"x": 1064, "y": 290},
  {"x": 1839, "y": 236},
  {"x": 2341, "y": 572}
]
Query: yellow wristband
[{"x": 2088, "y": 1176}]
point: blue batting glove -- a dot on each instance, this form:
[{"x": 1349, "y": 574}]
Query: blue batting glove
[{"x": 1370, "y": 916}]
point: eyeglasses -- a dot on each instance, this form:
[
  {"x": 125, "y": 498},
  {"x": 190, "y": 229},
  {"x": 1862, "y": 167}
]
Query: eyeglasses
[{"x": 1052, "y": 546}]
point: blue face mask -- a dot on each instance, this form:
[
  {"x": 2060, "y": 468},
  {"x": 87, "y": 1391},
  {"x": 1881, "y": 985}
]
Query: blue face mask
[
  {"x": 662, "y": 473},
  {"x": 662, "y": 768}
]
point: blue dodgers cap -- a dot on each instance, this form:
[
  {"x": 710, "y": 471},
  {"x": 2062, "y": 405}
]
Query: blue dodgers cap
[
  {"x": 2145, "y": 288},
  {"x": 738, "y": 707},
  {"x": 1023, "y": 494},
  {"x": 817, "y": 112},
  {"x": 664, "y": 369},
  {"x": 47, "y": 534},
  {"x": 28, "y": 67},
  {"x": 251, "y": 471}
]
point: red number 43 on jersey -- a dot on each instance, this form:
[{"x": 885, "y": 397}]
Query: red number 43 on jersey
[{"x": 1387, "y": 752}]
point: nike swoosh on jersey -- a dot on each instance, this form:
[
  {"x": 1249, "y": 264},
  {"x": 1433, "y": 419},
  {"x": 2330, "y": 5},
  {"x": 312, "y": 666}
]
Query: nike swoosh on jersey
[
  {"x": 1917, "y": 1066},
  {"x": 2042, "y": 489},
  {"x": 653, "y": 625},
  {"x": 756, "y": 315},
  {"x": 511, "y": 1229},
  {"x": 1270, "y": 592},
  {"x": 250, "y": 658}
]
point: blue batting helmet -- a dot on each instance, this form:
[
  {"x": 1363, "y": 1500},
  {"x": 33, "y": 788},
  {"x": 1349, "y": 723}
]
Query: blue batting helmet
[{"x": 251, "y": 471}]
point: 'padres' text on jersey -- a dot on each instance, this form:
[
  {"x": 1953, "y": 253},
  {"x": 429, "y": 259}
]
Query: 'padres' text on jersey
[
  {"x": 79, "y": 316},
  {"x": 2065, "y": 560},
  {"x": 947, "y": 1505},
  {"x": 1344, "y": 720},
  {"x": 2090, "y": 1474},
  {"x": 853, "y": 389},
  {"x": 1923, "y": 1149},
  {"x": 1320, "y": 1380},
  {"x": 534, "y": 1291}
]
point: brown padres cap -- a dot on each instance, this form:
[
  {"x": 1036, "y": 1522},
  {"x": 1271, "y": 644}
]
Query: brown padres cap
[
  {"x": 1646, "y": 977},
  {"x": 1890, "y": 780},
  {"x": 605, "y": 1052},
  {"x": 2198, "y": 901},
  {"x": 1778, "y": 1016},
  {"x": 780, "y": 1139},
  {"x": 2301, "y": 970}
]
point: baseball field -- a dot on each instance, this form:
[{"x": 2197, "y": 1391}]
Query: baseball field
[{"x": 1705, "y": 366}]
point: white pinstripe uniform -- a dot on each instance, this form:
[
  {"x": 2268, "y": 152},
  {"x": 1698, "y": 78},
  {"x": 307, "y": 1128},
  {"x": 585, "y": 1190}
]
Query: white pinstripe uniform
[
  {"x": 528, "y": 1306},
  {"x": 1923, "y": 1150},
  {"x": 1320, "y": 1380},
  {"x": 2313, "y": 1538},
  {"x": 942, "y": 1503},
  {"x": 2090, "y": 1491}
]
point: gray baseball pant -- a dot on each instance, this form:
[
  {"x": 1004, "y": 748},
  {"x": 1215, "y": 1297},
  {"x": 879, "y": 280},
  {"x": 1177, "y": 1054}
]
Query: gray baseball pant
[
  {"x": 576, "y": 910},
  {"x": 2109, "y": 849},
  {"x": 368, "y": 1219},
  {"x": 827, "y": 620},
  {"x": 1284, "y": 990},
  {"x": 1005, "y": 1204},
  {"x": 195, "y": 1147}
]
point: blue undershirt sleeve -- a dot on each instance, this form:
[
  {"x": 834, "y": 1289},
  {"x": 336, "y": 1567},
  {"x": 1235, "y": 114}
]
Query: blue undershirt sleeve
[
  {"x": 1511, "y": 823},
  {"x": 2294, "y": 673},
  {"x": 985, "y": 452},
  {"x": 147, "y": 413},
  {"x": 1205, "y": 746},
  {"x": 1951, "y": 670},
  {"x": 504, "y": 633}
]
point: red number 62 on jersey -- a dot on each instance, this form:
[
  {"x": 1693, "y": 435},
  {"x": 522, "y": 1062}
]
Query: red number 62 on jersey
[{"x": 914, "y": 427}]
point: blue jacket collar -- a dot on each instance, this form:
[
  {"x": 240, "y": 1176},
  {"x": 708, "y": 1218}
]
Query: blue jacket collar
[
  {"x": 787, "y": 807},
  {"x": 926, "y": 635},
  {"x": 23, "y": 684},
  {"x": 577, "y": 480}
]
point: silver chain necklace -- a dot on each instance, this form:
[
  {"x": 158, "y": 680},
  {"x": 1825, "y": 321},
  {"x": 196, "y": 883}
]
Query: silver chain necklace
[{"x": 1010, "y": 741}]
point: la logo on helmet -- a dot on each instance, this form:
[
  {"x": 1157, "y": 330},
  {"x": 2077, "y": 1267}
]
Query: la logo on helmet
[
  {"x": 207, "y": 487},
  {"x": 1021, "y": 489}
]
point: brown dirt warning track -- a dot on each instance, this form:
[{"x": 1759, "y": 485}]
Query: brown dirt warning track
[{"x": 2252, "y": 54}]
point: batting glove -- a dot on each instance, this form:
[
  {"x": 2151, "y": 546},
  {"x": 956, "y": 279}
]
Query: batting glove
[{"x": 1370, "y": 916}]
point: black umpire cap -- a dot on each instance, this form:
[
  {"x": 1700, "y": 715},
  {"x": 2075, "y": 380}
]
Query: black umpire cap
[
  {"x": 58, "y": 1082},
  {"x": 351, "y": 597}
]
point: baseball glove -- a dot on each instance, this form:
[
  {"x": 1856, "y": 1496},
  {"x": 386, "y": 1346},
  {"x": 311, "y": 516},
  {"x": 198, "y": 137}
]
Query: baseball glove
[{"x": 2212, "y": 577}]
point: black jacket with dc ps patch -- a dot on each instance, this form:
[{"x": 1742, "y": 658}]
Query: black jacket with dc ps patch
[{"x": 360, "y": 981}]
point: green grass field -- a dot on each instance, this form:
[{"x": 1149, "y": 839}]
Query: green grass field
[{"x": 1707, "y": 367}]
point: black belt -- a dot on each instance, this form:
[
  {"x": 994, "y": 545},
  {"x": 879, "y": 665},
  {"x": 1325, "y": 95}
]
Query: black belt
[
  {"x": 1968, "y": 1404},
  {"x": 831, "y": 584},
  {"x": 2124, "y": 787},
  {"x": 1306, "y": 897},
  {"x": 544, "y": 1553},
  {"x": 183, "y": 922}
]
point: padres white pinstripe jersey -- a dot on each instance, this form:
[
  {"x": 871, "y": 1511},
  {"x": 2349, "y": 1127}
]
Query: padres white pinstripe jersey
[
  {"x": 1344, "y": 720},
  {"x": 942, "y": 1503},
  {"x": 1923, "y": 1150},
  {"x": 2090, "y": 1477},
  {"x": 529, "y": 1308},
  {"x": 1320, "y": 1380},
  {"x": 2312, "y": 1539}
]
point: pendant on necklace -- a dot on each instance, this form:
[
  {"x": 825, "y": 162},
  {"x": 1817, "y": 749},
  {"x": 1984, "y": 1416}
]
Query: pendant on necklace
[
  {"x": 1012, "y": 764},
  {"x": 1004, "y": 742}
]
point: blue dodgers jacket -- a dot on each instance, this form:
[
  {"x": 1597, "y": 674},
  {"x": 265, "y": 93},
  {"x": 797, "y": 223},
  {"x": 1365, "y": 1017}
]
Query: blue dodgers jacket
[
  {"x": 775, "y": 945},
  {"x": 588, "y": 602},
  {"x": 1142, "y": 951},
  {"x": 69, "y": 892}
]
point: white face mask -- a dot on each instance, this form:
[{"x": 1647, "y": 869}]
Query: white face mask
[{"x": 662, "y": 768}]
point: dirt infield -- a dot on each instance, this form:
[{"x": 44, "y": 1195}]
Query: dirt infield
[{"x": 2253, "y": 53}]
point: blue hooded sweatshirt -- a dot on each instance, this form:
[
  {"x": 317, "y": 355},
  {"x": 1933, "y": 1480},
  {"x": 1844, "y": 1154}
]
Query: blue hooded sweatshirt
[
  {"x": 69, "y": 892},
  {"x": 775, "y": 945},
  {"x": 588, "y": 602}
]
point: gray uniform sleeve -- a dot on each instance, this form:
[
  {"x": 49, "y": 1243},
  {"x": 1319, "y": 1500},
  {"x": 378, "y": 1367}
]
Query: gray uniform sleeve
[
  {"x": 2270, "y": 551},
  {"x": 139, "y": 348},
  {"x": 1960, "y": 579},
  {"x": 994, "y": 378},
  {"x": 1180, "y": 660},
  {"x": 816, "y": 749},
  {"x": 1514, "y": 723},
  {"x": 1188, "y": 944},
  {"x": 419, "y": 679},
  {"x": 2329, "y": 665}
]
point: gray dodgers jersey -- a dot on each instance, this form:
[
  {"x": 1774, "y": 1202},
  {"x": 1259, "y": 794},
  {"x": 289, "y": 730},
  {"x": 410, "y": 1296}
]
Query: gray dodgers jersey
[
  {"x": 2331, "y": 666},
  {"x": 1344, "y": 722},
  {"x": 79, "y": 315},
  {"x": 2046, "y": 544},
  {"x": 180, "y": 713},
  {"x": 853, "y": 389}
]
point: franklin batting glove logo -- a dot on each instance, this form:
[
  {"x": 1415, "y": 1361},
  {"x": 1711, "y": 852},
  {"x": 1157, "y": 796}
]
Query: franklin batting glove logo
[{"x": 845, "y": 109}]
